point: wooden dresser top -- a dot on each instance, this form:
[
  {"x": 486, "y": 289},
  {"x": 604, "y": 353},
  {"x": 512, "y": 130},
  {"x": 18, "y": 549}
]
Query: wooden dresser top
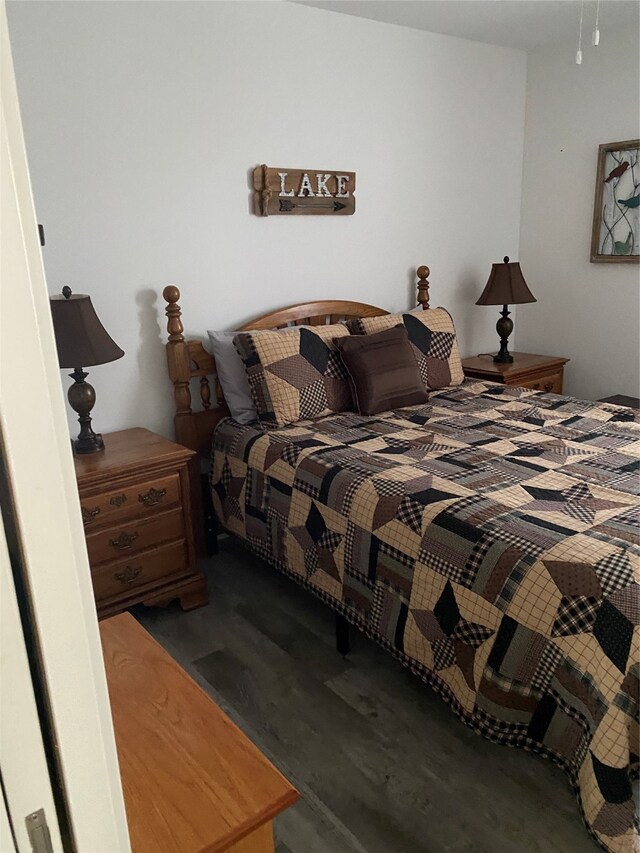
[
  {"x": 192, "y": 781},
  {"x": 127, "y": 450},
  {"x": 523, "y": 365}
]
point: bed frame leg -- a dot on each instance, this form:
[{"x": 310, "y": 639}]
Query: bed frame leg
[
  {"x": 210, "y": 523},
  {"x": 343, "y": 644}
]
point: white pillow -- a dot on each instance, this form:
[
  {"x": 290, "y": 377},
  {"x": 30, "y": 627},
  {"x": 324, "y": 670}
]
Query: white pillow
[{"x": 232, "y": 376}]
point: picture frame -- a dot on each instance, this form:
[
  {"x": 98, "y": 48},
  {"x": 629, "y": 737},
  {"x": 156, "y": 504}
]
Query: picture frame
[{"x": 615, "y": 236}]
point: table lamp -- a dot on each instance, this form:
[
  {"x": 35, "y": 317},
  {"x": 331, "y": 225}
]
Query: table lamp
[
  {"x": 506, "y": 286},
  {"x": 81, "y": 339}
]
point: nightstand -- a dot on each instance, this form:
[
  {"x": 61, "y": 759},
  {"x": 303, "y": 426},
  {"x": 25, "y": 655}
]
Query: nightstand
[
  {"x": 139, "y": 499},
  {"x": 538, "y": 372}
]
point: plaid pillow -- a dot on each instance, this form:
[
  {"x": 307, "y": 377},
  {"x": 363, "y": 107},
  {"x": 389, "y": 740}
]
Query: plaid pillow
[
  {"x": 433, "y": 339},
  {"x": 295, "y": 373}
]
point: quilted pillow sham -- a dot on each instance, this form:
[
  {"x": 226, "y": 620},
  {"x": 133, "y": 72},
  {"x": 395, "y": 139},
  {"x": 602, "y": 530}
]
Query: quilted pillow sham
[
  {"x": 295, "y": 374},
  {"x": 433, "y": 339}
]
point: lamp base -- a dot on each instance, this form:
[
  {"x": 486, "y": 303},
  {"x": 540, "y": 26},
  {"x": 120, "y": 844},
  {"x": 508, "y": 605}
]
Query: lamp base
[
  {"x": 504, "y": 327},
  {"x": 91, "y": 444},
  {"x": 503, "y": 357},
  {"x": 82, "y": 396}
]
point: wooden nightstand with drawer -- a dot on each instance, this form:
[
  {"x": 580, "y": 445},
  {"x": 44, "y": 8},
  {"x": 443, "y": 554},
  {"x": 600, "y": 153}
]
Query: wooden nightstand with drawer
[
  {"x": 139, "y": 498},
  {"x": 537, "y": 372}
]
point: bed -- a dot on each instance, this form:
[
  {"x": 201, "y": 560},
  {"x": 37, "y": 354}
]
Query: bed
[{"x": 488, "y": 539}]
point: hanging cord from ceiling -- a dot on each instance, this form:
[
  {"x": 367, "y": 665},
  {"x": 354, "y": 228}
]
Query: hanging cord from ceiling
[
  {"x": 595, "y": 40},
  {"x": 579, "y": 51}
]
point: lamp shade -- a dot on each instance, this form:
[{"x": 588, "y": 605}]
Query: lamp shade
[
  {"x": 81, "y": 338},
  {"x": 506, "y": 286}
]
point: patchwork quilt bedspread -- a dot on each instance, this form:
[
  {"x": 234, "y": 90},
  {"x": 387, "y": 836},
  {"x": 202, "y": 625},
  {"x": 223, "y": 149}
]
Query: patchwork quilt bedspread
[{"x": 490, "y": 540}]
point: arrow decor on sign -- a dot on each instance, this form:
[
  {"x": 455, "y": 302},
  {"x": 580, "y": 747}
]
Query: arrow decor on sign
[
  {"x": 303, "y": 192},
  {"x": 287, "y": 206}
]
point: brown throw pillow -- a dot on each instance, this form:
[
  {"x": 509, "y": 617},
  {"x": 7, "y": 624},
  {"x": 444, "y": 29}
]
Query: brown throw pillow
[{"x": 383, "y": 370}]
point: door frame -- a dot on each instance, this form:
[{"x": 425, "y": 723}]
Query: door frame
[
  {"x": 56, "y": 579},
  {"x": 26, "y": 783}
]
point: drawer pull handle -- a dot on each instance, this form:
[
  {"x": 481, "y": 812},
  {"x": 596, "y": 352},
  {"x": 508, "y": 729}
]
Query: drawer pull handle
[
  {"x": 118, "y": 500},
  {"x": 152, "y": 497},
  {"x": 124, "y": 540},
  {"x": 129, "y": 574},
  {"x": 548, "y": 386},
  {"x": 89, "y": 514}
]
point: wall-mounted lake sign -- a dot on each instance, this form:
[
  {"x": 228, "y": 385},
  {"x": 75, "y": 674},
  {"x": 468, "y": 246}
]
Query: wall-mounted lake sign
[{"x": 296, "y": 192}]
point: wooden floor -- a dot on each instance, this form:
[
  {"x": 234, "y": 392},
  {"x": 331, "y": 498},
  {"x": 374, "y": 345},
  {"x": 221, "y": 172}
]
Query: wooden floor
[{"x": 381, "y": 763}]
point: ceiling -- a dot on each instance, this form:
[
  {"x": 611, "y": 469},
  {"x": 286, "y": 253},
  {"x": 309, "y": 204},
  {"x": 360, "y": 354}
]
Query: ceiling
[{"x": 522, "y": 24}]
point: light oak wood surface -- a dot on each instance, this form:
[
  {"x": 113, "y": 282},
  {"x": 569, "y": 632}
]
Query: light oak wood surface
[
  {"x": 140, "y": 505},
  {"x": 134, "y": 536},
  {"x": 192, "y": 781},
  {"x": 188, "y": 360},
  {"x": 131, "y": 450},
  {"x": 317, "y": 313},
  {"x": 528, "y": 370}
]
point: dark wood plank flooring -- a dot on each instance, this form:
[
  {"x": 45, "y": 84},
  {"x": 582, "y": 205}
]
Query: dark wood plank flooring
[{"x": 382, "y": 764}]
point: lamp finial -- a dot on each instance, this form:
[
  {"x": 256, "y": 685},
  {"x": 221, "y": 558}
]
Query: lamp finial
[{"x": 66, "y": 291}]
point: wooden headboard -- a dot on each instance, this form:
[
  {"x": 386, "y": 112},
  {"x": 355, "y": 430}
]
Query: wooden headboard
[{"x": 188, "y": 359}]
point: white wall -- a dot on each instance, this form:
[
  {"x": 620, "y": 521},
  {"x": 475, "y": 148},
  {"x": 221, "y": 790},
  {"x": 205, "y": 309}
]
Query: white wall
[
  {"x": 144, "y": 120},
  {"x": 587, "y": 312}
]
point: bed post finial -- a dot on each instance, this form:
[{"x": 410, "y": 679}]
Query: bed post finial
[
  {"x": 171, "y": 294},
  {"x": 177, "y": 351},
  {"x": 423, "y": 286}
]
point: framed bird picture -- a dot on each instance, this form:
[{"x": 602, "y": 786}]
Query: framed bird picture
[{"x": 616, "y": 215}]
